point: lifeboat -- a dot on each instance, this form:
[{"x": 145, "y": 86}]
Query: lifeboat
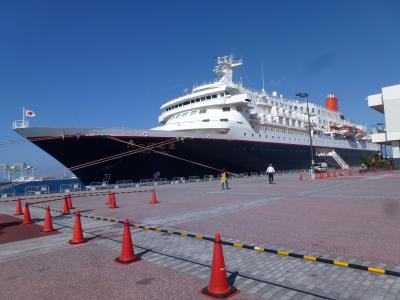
[
  {"x": 349, "y": 131},
  {"x": 360, "y": 134}
]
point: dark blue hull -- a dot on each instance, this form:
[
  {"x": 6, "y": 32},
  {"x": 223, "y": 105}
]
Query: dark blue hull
[{"x": 234, "y": 156}]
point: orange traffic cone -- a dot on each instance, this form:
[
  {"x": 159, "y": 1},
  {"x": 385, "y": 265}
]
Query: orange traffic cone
[
  {"x": 334, "y": 173},
  {"x": 153, "y": 197},
  {"x": 27, "y": 215},
  {"x": 18, "y": 211},
  {"x": 328, "y": 174},
  {"x": 69, "y": 201},
  {"x": 127, "y": 254},
  {"x": 113, "y": 203},
  {"x": 218, "y": 286},
  {"x": 301, "y": 177},
  {"x": 48, "y": 224},
  {"x": 77, "y": 237},
  {"x": 66, "y": 207},
  {"x": 350, "y": 173},
  {"x": 108, "y": 198}
]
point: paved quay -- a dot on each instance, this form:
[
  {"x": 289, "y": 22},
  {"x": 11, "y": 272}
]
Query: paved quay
[{"x": 350, "y": 219}]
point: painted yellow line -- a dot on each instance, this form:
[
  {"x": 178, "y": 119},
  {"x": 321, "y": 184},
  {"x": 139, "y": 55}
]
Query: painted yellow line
[
  {"x": 261, "y": 249},
  {"x": 199, "y": 237},
  {"x": 340, "y": 263},
  {"x": 158, "y": 229},
  {"x": 283, "y": 253},
  {"x": 310, "y": 257},
  {"x": 184, "y": 233},
  {"x": 170, "y": 231},
  {"x": 237, "y": 245},
  {"x": 146, "y": 227},
  {"x": 136, "y": 225},
  {"x": 376, "y": 270}
]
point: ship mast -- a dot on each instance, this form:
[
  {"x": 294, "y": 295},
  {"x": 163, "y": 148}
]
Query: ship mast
[{"x": 224, "y": 68}]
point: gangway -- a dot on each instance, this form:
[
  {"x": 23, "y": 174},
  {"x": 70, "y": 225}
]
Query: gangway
[{"x": 332, "y": 153}]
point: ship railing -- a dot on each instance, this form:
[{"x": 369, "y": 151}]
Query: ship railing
[
  {"x": 68, "y": 188},
  {"x": 20, "y": 124},
  {"x": 37, "y": 190}
]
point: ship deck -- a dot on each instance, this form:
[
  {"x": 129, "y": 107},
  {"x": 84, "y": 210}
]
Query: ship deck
[{"x": 346, "y": 219}]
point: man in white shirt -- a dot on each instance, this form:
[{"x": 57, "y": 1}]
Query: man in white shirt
[{"x": 270, "y": 172}]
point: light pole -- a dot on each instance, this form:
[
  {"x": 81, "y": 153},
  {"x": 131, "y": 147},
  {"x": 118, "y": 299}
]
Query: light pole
[{"x": 305, "y": 95}]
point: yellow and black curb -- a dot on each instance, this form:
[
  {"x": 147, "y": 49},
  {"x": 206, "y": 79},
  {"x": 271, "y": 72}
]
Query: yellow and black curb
[
  {"x": 243, "y": 246},
  {"x": 90, "y": 194}
]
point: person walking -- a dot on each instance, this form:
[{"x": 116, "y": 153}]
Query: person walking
[
  {"x": 223, "y": 180},
  {"x": 270, "y": 172},
  {"x": 311, "y": 175},
  {"x": 226, "y": 179}
]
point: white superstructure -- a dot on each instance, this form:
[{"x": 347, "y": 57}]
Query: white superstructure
[
  {"x": 225, "y": 107},
  {"x": 388, "y": 103}
]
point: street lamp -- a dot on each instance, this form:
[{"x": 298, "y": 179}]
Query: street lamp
[{"x": 305, "y": 95}]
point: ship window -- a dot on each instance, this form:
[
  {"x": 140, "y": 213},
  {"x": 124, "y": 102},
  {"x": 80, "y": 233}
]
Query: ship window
[
  {"x": 214, "y": 95},
  {"x": 227, "y": 93},
  {"x": 208, "y": 97},
  {"x": 222, "y": 94},
  {"x": 202, "y": 111},
  {"x": 203, "y": 98},
  {"x": 245, "y": 134},
  {"x": 266, "y": 136},
  {"x": 180, "y": 104},
  {"x": 184, "y": 114},
  {"x": 177, "y": 116},
  {"x": 193, "y": 112},
  {"x": 227, "y": 108},
  {"x": 312, "y": 110},
  {"x": 192, "y": 101},
  {"x": 223, "y": 120},
  {"x": 295, "y": 108},
  {"x": 239, "y": 108},
  {"x": 186, "y": 102},
  {"x": 239, "y": 122},
  {"x": 301, "y": 108},
  {"x": 206, "y": 120},
  {"x": 198, "y": 100},
  {"x": 259, "y": 135},
  {"x": 252, "y": 134}
]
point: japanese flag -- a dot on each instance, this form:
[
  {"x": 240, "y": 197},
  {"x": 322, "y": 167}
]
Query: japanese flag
[{"x": 29, "y": 113}]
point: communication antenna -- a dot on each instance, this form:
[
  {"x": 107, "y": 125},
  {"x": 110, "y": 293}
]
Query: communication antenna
[{"x": 262, "y": 75}]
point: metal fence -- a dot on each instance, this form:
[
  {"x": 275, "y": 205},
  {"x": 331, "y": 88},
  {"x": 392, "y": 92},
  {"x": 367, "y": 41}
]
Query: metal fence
[
  {"x": 68, "y": 188},
  {"x": 37, "y": 190}
]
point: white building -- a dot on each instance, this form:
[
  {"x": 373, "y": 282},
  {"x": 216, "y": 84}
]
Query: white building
[{"x": 388, "y": 103}]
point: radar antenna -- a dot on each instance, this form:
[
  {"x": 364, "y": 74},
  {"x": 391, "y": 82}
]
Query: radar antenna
[{"x": 224, "y": 67}]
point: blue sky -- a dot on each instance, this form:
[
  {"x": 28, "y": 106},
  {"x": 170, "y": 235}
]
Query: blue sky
[{"x": 113, "y": 63}]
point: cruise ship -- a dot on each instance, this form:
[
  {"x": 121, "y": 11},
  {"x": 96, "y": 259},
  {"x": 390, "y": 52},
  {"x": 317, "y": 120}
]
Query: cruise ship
[{"x": 215, "y": 126}]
